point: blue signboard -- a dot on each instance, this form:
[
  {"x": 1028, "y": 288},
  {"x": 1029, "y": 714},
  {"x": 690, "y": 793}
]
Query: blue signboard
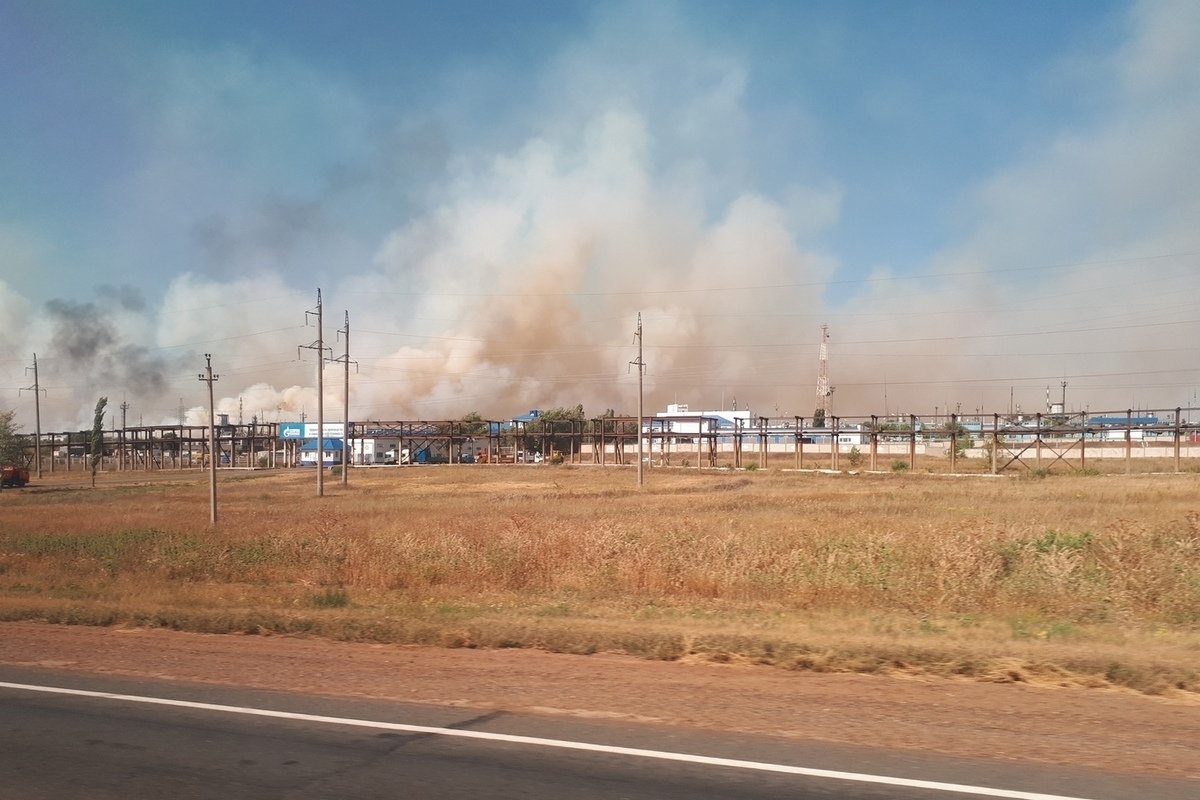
[
  {"x": 291, "y": 430},
  {"x": 308, "y": 430}
]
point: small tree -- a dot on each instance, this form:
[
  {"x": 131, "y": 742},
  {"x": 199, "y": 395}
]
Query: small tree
[
  {"x": 991, "y": 443},
  {"x": 819, "y": 418},
  {"x": 97, "y": 441},
  {"x": 960, "y": 435},
  {"x": 557, "y": 425},
  {"x": 472, "y": 424},
  {"x": 12, "y": 449},
  {"x": 12, "y": 445}
]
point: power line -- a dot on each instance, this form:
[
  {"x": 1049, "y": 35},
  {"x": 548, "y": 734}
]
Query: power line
[{"x": 798, "y": 285}]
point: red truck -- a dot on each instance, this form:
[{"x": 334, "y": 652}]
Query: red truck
[{"x": 14, "y": 477}]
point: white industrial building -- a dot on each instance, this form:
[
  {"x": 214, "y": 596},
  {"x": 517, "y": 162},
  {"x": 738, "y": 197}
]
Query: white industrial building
[{"x": 680, "y": 424}]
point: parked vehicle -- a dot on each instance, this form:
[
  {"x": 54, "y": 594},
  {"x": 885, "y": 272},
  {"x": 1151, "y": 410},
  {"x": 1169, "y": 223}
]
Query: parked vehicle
[{"x": 14, "y": 477}]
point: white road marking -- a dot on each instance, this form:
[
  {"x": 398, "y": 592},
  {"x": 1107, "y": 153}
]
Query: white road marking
[{"x": 562, "y": 744}]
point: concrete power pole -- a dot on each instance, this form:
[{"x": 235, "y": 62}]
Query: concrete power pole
[
  {"x": 824, "y": 390},
  {"x": 319, "y": 346},
  {"x": 209, "y": 378},
  {"x": 641, "y": 368},
  {"x": 345, "y": 359},
  {"x": 124, "y": 415},
  {"x": 37, "y": 414}
]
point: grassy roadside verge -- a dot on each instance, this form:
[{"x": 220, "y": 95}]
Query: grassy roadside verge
[{"x": 1082, "y": 581}]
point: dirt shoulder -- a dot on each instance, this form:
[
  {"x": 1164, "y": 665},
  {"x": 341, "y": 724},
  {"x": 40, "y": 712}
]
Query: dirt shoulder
[{"x": 1089, "y": 728}]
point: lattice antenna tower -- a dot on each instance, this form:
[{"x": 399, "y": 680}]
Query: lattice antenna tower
[{"x": 824, "y": 390}]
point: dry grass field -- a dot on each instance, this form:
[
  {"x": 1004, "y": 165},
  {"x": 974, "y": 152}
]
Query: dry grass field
[{"x": 1089, "y": 579}]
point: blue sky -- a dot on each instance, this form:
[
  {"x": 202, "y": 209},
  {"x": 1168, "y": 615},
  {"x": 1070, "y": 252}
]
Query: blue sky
[{"x": 981, "y": 199}]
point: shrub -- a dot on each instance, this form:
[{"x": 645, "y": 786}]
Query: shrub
[
  {"x": 332, "y": 598},
  {"x": 899, "y": 466}
]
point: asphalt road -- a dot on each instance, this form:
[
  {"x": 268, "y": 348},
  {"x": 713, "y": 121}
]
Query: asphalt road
[{"x": 63, "y": 746}]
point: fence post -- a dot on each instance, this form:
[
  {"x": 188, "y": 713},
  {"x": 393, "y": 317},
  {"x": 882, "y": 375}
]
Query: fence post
[
  {"x": 912, "y": 442},
  {"x": 1128, "y": 441},
  {"x": 835, "y": 450},
  {"x": 1083, "y": 429},
  {"x": 1178, "y": 411},
  {"x": 995, "y": 441},
  {"x": 874, "y": 442},
  {"x": 796, "y": 444},
  {"x": 954, "y": 443},
  {"x": 1039, "y": 440}
]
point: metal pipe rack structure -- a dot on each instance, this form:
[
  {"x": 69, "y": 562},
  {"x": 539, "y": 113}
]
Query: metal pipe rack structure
[{"x": 992, "y": 443}]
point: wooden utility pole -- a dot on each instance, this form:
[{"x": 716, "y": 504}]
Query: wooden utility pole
[
  {"x": 319, "y": 346},
  {"x": 37, "y": 415},
  {"x": 641, "y": 368},
  {"x": 209, "y": 378}
]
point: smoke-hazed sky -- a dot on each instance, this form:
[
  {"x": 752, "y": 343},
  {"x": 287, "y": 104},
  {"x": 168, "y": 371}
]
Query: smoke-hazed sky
[{"x": 981, "y": 200}]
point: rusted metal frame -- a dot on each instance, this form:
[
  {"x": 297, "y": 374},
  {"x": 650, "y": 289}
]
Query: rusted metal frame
[
  {"x": 1059, "y": 456},
  {"x": 664, "y": 443},
  {"x": 1014, "y": 451},
  {"x": 1062, "y": 455},
  {"x": 874, "y": 442},
  {"x": 1040, "y": 444},
  {"x": 912, "y": 442},
  {"x": 1128, "y": 441},
  {"x": 763, "y": 424},
  {"x": 796, "y": 439},
  {"x": 812, "y": 440},
  {"x": 1016, "y": 454},
  {"x": 835, "y": 447},
  {"x": 1178, "y": 411},
  {"x": 1038, "y": 418},
  {"x": 953, "y": 444},
  {"x": 737, "y": 443},
  {"x": 1083, "y": 433}
]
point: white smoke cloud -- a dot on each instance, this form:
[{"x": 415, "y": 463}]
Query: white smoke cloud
[
  {"x": 540, "y": 261},
  {"x": 1115, "y": 198}
]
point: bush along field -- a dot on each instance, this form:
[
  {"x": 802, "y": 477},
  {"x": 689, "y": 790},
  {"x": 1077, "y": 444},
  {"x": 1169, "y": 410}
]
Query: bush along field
[{"x": 1080, "y": 580}]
